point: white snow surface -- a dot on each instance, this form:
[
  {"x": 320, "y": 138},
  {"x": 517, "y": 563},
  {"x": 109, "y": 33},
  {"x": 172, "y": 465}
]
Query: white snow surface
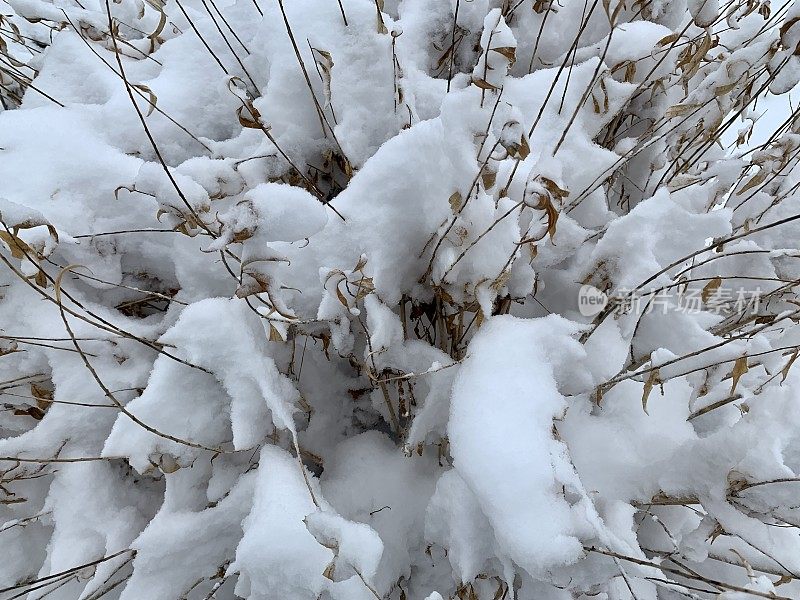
[{"x": 290, "y": 300}]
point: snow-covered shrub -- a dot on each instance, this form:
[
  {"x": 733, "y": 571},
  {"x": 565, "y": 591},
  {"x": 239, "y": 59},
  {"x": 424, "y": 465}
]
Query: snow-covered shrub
[{"x": 290, "y": 300}]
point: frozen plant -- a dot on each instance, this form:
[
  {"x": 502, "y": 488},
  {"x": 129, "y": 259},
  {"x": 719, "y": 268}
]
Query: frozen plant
[{"x": 290, "y": 300}]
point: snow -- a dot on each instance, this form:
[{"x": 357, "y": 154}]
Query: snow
[
  {"x": 277, "y": 556},
  {"x": 289, "y": 300},
  {"x": 500, "y": 429},
  {"x": 455, "y": 521},
  {"x": 372, "y": 482}
]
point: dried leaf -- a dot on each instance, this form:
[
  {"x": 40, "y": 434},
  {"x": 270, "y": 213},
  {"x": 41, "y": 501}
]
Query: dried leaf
[
  {"x": 30, "y": 411},
  {"x": 455, "y": 202},
  {"x": 757, "y": 179},
  {"x": 502, "y": 590},
  {"x": 710, "y": 288},
  {"x": 17, "y": 247},
  {"x": 739, "y": 369},
  {"x": 721, "y": 90},
  {"x": 598, "y": 395},
  {"x": 648, "y": 387},
  {"x": 484, "y": 85},
  {"x": 691, "y": 63},
  {"x": 381, "y": 24},
  {"x": 612, "y": 16},
  {"x": 8, "y": 347},
  {"x": 540, "y": 6},
  {"x": 60, "y": 276},
  {"x": 151, "y": 95},
  {"x": 552, "y": 218},
  {"x": 44, "y": 397},
  {"x": 524, "y": 148},
  {"x": 788, "y": 25},
  {"x": 249, "y": 122},
  {"x": 274, "y": 334},
  {"x": 785, "y": 370},
  {"x": 630, "y": 71},
  {"x": 341, "y": 297},
  {"x": 130, "y": 189},
  {"x": 508, "y": 51},
  {"x": 671, "y": 38},
  {"x": 553, "y": 188},
  {"x": 162, "y": 21},
  {"x": 325, "y": 63},
  {"x": 679, "y": 109}
]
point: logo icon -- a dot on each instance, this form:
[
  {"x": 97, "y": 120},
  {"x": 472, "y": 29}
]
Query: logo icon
[{"x": 591, "y": 301}]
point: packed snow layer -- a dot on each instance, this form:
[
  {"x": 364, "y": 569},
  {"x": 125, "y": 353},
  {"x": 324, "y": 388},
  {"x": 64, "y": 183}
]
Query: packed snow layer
[{"x": 292, "y": 300}]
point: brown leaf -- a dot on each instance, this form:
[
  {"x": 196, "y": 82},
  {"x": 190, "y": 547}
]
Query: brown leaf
[
  {"x": 341, "y": 297},
  {"x": 508, "y": 51},
  {"x": 671, "y": 38},
  {"x": 249, "y": 122},
  {"x": 710, "y": 288},
  {"x": 381, "y": 24},
  {"x": 524, "y": 148},
  {"x": 692, "y": 63},
  {"x": 455, "y": 202},
  {"x": 679, "y": 109},
  {"x": 739, "y": 369},
  {"x": 44, "y": 397},
  {"x": 484, "y": 85},
  {"x": 598, "y": 395},
  {"x": 552, "y": 219},
  {"x": 362, "y": 262},
  {"x": 153, "y": 98},
  {"x": 757, "y": 179},
  {"x": 30, "y": 411},
  {"x": 553, "y": 188},
  {"x": 721, "y": 90},
  {"x": 162, "y": 21},
  {"x": 612, "y": 16},
  {"x": 18, "y": 248},
  {"x": 648, "y": 387},
  {"x": 630, "y": 71},
  {"x": 325, "y": 63},
  {"x": 788, "y": 25},
  {"x": 502, "y": 590},
  {"x": 60, "y": 276},
  {"x": 785, "y": 370}
]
